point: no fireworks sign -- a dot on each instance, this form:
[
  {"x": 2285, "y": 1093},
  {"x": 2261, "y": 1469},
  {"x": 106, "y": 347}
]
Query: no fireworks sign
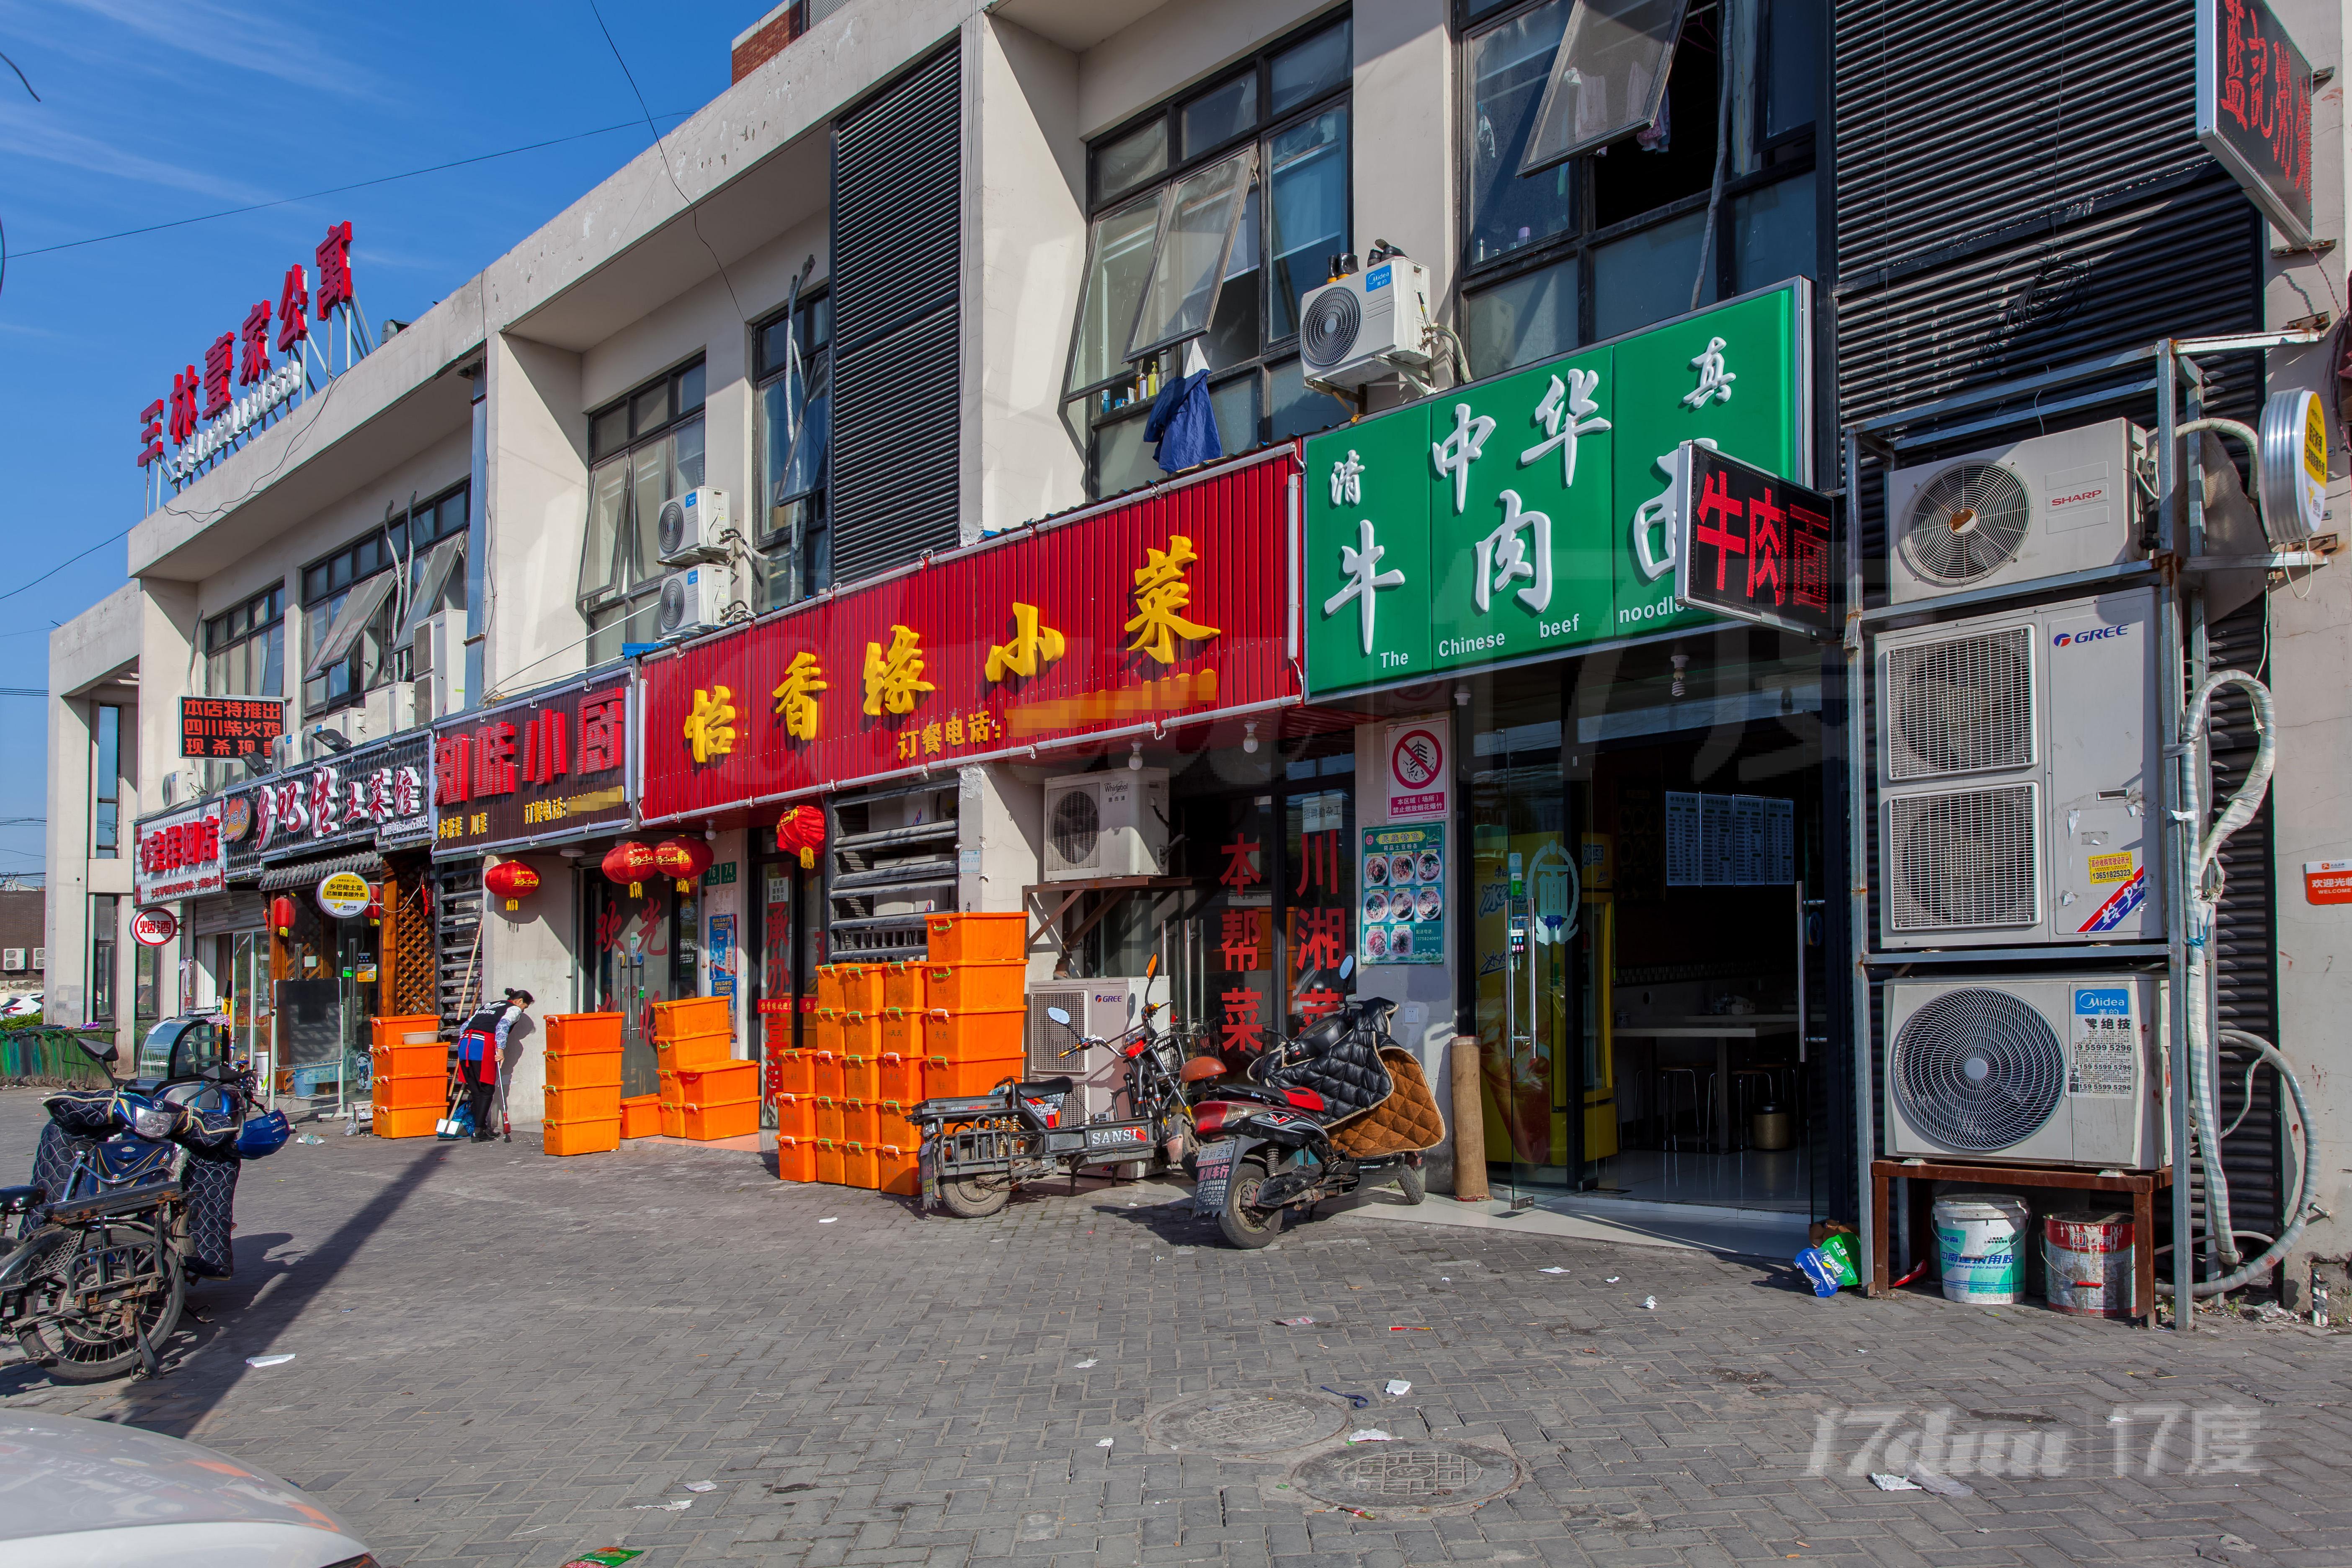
[{"x": 1413, "y": 752}]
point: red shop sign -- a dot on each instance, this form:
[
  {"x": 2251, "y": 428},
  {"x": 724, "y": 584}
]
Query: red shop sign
[{"x": 1172, "y": 608}]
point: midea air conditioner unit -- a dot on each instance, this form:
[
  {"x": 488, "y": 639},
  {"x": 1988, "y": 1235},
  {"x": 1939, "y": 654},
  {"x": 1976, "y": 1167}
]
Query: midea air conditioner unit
[
  {"x": 2042, "y": 1070},
  {"x": 688, "y": 528},
  {"x": 2018, "y": 769},
  {"x": 695, "y": 600},
  {"x": 1103, "y": 1008},
  {"x": 1367, "y": 325},
  {"x": 1110, "y": 824},
  {"x": 2040, "y": 508}
]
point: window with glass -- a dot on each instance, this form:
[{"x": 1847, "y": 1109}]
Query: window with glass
[
  {"x": 1590, "y": 163},
  {"x": 642, "y": 449},
  {"x": 245, "y": 655},
  {"x": 792, "y": 362},
  {"x": 362, "y": 605},
  {"x": 106, "y": 783},
  {"x": 105, "y": 924},
  {"x": 1211, "y": 215}
]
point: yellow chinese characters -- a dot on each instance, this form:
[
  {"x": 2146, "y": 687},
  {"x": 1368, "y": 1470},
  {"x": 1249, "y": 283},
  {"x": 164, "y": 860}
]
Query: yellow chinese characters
[
  {"x": 710, "y": 727},
  {"x": 1161, "y": 595},
  {"x": 796, "y": 698},
  {"x": 1032, "y": 646},
  {"x": 957, "y": 730},
  {"x": 893, "y": 679}
]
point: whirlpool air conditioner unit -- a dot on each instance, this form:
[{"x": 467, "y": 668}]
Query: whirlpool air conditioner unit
[
  {"x": 1103, "y": 1008},
  {"x": 2064, "y": 503},
  {"x": 1367, "y": 325},
  {"x": 1110, "y": 824},
  {"x": 2017, "y": 765},
  {"x": 688, "y": 528},
  {"x": 694, "y": 600},
  {"x": 2043, "y": 1070}
]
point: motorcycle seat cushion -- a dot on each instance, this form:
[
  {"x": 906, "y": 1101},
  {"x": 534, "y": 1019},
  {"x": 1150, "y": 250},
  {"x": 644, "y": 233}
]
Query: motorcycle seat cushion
[
  {"x": 1045, "y": 1086},
  {"x": 1407, "y": 1121},
  {"x": 1348, "y": 1073}
]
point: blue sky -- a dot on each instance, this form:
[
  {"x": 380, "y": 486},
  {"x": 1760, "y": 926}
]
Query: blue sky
[{"x": 151, "y": 113}]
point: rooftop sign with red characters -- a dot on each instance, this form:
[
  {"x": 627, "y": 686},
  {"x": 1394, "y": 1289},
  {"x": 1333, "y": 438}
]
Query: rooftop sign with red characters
[
  {"x": 541, "y": 769},
  {"x": 2253, "y": 109}
]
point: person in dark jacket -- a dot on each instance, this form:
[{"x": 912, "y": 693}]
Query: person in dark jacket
[{"x": 480, "y": 1044}]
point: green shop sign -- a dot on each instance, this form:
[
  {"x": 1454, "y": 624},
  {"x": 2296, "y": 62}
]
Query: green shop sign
[{"x": 1528, "y": 514}]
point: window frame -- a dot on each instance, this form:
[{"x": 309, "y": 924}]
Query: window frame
[
  {"x": 1794, "y": 154},
  {"x": 1273, "y": 354},
  {"x": 632, "y": 598},
  {"x": 105, "y": 782},
  {"x": 812, "y": 316},
  {"x": 376, "y": 543}
]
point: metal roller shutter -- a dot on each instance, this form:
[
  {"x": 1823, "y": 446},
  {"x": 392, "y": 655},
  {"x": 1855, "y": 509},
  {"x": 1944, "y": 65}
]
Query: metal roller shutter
[{"x": 898, "y": 172}]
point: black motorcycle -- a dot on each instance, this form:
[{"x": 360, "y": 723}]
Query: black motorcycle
[{"x": 1341, "y": 1108}]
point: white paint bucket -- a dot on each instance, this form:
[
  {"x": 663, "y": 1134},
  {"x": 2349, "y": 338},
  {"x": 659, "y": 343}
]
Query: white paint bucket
[
  {"x": 2086, "y": 1263},
  {"x": 1977, "y": 1238}
]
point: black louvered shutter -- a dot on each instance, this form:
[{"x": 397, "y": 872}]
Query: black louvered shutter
[{"x": 898, "y": 172}]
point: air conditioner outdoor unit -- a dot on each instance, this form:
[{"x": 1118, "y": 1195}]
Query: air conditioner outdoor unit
[
  {"x": 1103, "y": 1008},
  {"x": 1367, "y": 325},
  {"x": 436, "y": 659},
  {"x": 41, "y": 958},
  {"x": 388, "y": 710},
  {"x": 2040, "y": 508},
  {"x": 688, "y": 528},
  {"x": 2037, "y": 1069},
  {"x": 695, "y": 600},
  {"x": 12, "y": 959},
  {"x": 1110, "y": 824},
  {"x": 2018, "y": 777}
]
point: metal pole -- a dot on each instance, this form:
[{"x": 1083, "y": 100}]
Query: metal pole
[
  {"x": 2175, "y": 836},
  {"x": 1857, "y": 827}
]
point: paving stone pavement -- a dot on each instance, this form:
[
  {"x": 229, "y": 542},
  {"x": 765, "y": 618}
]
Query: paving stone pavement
[{"x": 505, "y": 1359}]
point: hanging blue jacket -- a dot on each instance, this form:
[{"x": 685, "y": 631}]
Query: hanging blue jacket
[{"x": 1184, "y": 424}]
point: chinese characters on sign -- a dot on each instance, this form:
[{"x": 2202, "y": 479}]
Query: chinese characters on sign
[
  {"x": 230, "y": 726},
  {"x": 179, "y": 855},
  {"x": 1755, "y": 547},
  {"x": 1403, "y": 879},
  {"x": 376, "y": 794},
  {"x": 2253, "y": 109},
  {"x": 549, "y": 765}
]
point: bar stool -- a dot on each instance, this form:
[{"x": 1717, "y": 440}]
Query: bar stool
[
  {"x": 1746, "y": 1083},
  {"x": 1698, "y": 1106}
]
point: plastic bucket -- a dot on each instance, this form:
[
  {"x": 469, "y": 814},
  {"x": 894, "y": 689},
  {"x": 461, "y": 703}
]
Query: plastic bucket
[
  {"x": 2086, "y": 1264},
  {"x": 1977, "y": 1236}
]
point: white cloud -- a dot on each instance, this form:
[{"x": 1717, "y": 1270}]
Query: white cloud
[
  {"x": 33, "y": 133},
  {"x": 271, "y": 47}
]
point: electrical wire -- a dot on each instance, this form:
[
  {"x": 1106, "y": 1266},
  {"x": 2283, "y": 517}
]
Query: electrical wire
[{"x": 21, "y": 77}]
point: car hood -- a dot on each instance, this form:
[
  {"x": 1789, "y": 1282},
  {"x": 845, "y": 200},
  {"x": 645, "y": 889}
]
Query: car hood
[{"x": 59, "y": 1474}]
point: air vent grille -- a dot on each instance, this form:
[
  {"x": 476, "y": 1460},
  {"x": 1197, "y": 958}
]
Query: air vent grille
[
  {"x": 1961, "y": 707},
  {"x": 1966, "y": 523},
  {"x": 1977, "y": 1071},
  {"x": 1965, "y": 861},
  {"x": 1327, "y": 336},
  {"x": 1077, "y": 828}
]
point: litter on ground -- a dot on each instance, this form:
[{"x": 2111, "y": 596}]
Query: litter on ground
[
  {"x": 1399, "y": 1388},
  {"x": 1887, "y": 1483},
  {"x": 1296, "y": 1323},
  {"x": 277, "y": 1359},
  {"x": 1369, "y": 1435}
]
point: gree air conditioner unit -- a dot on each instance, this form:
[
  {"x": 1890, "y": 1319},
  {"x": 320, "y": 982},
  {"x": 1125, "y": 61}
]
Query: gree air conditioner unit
[
  {"x": 2036, "y": 1069},
  {"x": 1367, "y": 325},
  {"x": 2069, "y": 501},
  {"x": 1110, "y": 824},
  {"x": 690, "y": 528},
  {"x": 2018, "y": 777},
  {"x": 1104, "y": 1009},
  {"x": 695, "y": 600}
]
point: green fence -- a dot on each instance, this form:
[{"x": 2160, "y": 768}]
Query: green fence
[{"x": 47, "y": 1057}]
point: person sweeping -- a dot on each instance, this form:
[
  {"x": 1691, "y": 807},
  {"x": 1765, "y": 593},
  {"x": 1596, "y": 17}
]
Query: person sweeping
[{"x": 480, "y": 1044}]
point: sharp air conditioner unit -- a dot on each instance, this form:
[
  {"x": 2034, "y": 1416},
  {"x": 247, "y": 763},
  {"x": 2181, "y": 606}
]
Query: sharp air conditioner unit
[
  {"x": 2018, "y": 768},
  {"x": 2039, "y": 1070},
  {"x": 688, "y": 528},
  {"x": 1103, "y": 1008},
  {"x": 1367, "y": 325},
  {"x": 1110, "y": 824},
  {"x": 2009, "y": 515},
  {"x": 695, "y": 600}
]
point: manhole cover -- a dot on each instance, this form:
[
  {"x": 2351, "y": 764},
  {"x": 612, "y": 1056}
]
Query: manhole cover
[
  {"x": 1407, "y": 1474},
  {"x": 1246, "y": 1423}
]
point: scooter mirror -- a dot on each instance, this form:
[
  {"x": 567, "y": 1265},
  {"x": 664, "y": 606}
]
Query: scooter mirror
[
  {"x": 1059, "y": 1016},
  {"x": 109, "y": 1053},
  {"x": 1151, "y": 966},
  {"x": 1346, "y": 967}
]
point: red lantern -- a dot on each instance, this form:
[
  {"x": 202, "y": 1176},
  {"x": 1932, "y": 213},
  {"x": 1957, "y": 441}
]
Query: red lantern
[
  {"x": 511, "y": 881},
  {"x": 281, "y": 915},
  {"x": 631, "y": 862},
  {"x": 683, "y": 858},
  {"x": 375, "y": 903},
  {"x": 801, "y": 830}
]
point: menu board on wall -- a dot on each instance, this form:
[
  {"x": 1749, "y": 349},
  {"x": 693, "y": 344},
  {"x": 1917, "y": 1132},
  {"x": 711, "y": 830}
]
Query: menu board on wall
[
  {"x": 1404, "y": 889},
  {"x": 1729, "y": 841}
]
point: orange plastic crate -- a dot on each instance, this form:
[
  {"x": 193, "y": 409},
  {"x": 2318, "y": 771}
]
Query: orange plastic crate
[
  {"x": 589, "y": 1033},
  {"x": 902, "y": 1030},
  {"x": 860, "y": 1078},
  {"x": 861, "y": 1034},
  {"x": 861, "y": 987},
  {"x": 795, "y": 1159},
  {"x": 707, "y": 1123},
  {"x": 584, "y": 1072},
  {"x": 895, "y": 1171},
  {"x": 409, "y": 1093},
  {"x": 945, "y": 1078},
  {"x": 673, "y": 1119},
  {"x": 721, "y": 1084},
  {"x": 409, "y": 1054},
  {"x": 857, "y": 1121},
  {"x": 898, "y": 1077},
  {"x": 975, "y": 987},
  {"x": 825, "y": 1073},
  {"x": 795, "y": 1116},
  {"x": 583, "y": 1137},
  {"x": 976, "y": 938},
  {"x": 413, "y": 1123},
  {"x": 690, "y": 1016},
  {"x": 902, "y": 988},
  {"x": 641, "y": 1116},
  {"x": 830, "y": 1115},
  {"x": 695, "y": 1051},
  {"x": 599, "y": 1104},
  {"x": 891, "y": 1125},
  {"x": 972, "y": 1037},
  {"x": 857, "y": 1166},
  {"x": 824, "y": 1032},
  {"x": 828, "y": 988},
  {"x": 795, "y": 1073},
  {"x": 402, "y": 1029},
  {"x": 829, "y": 1163}
]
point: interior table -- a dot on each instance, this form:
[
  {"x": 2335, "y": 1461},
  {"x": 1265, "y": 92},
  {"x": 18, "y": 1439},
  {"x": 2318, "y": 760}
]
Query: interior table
[{"x": 1722, "y": 1029}]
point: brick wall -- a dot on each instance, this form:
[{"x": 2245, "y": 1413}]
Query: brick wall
[{"x": 766, "y": 41}]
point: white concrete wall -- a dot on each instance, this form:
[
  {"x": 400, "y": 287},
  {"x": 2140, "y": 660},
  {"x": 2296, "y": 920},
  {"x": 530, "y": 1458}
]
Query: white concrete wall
[{"x": 93, "y": 659}]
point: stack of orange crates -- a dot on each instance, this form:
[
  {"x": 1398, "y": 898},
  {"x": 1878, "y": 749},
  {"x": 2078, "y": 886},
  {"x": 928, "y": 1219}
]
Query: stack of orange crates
[
  {"x": 974, "y": 1002},
  {"x": 583, "y": 1083},
  {"x": 411, "y": 1075},
  {"x": 706, "y": 1093}
]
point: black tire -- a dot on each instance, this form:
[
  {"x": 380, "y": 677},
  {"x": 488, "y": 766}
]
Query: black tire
[
  {"x": 974, "y": 1197},
  {"x": 1241, "y": 1222},
  {"x": 92, "y": 1348},
  {"x": 1413, "y": 1182}
]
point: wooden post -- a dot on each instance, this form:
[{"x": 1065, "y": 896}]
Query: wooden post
[{"x": 1469, "y": 1123}]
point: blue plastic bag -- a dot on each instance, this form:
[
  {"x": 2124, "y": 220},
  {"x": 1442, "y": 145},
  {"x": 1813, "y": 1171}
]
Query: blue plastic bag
[{"x": 1822, "y": 1269}]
